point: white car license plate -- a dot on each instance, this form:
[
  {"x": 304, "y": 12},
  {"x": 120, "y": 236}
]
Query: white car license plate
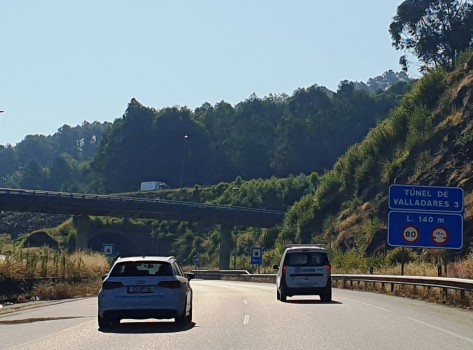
[{"x": 140, "y": 289}]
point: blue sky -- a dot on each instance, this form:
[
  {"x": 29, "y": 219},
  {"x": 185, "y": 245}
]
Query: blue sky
[{"x": 64, "y": 62}]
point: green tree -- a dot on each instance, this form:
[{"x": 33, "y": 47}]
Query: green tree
[
  {"x": 8, "y": 163},
  {"x": 33, "y": 177},
  {"x": 436, "y": 31},
  {"x": 61, "y": 174}
]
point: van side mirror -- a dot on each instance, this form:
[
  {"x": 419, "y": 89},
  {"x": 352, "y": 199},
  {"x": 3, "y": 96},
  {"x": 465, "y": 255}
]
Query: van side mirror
[{"x": 276, "y": 267}]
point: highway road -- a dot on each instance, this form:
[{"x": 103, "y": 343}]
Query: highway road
[{"x": 244, "y": 315}]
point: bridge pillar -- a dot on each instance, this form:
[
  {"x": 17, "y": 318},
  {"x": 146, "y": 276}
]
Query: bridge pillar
[
  {"x": 225, "y": 246},
  {"x": 83, "y": 228}
]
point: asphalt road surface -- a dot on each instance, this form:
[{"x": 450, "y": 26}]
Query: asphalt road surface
[{"x": 243, "y": 315}]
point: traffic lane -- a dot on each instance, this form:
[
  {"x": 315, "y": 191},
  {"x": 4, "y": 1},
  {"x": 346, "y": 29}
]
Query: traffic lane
[
  {"x": 451, "y": 319},
  {"x": 218, "y": 315},
  {"x": 239, "y": 315},
  {"x": 358, "y": 320},
  {"x": 32, "y": 324}
]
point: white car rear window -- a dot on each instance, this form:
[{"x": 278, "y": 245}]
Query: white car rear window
[
  {"x": 142, "y": 268},
  {"x": 306, "y": 259}
]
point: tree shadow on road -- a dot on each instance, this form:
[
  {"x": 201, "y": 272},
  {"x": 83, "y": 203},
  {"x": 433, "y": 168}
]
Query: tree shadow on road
[
  {"x": 148, "y": 327},
  {"x": 40, "y": 319},
  {"x": 313, "y": 301}
]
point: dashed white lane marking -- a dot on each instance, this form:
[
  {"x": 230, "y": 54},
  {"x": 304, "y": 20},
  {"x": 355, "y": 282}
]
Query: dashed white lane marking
[
  {"x": 246, "y": 319},
  {"x": 245, "y": 301},
  {"x": 360, "y": 302},
  {"x": 442, "y": 330}
]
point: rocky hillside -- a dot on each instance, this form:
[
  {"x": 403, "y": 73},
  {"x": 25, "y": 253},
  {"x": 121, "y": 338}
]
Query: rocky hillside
[{"x": 428, "y": 140}]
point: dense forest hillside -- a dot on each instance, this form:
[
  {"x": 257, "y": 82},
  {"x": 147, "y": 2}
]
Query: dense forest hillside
[
  {"x": 276, "y": 135},
  {"x": 55, "y": 162},
  {"x": 257, "y": 138}
]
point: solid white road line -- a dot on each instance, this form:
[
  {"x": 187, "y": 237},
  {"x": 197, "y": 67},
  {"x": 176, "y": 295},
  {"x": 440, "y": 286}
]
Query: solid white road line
[
  {"x": 442, "y": 330},
  {"x": 246, "y": 319},
  {"x": 360, "y": 302}
]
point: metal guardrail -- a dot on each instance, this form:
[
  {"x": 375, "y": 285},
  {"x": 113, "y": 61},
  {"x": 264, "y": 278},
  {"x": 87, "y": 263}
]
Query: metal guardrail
[
  {"x": 22, "y": 192},
  {"x": 445, "y": 283}
]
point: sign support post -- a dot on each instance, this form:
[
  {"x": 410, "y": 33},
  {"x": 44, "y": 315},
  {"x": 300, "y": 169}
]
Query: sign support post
[{"x": 403, "y": 260}]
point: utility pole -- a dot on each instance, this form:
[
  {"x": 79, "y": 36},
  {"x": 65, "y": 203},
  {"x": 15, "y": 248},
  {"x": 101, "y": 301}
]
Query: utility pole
[
  {"x": 236, "y": 245},
  {"x": 182, "y": 165}
]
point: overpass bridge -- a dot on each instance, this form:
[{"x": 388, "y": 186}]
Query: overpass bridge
[{"x": 84, "y": 205}]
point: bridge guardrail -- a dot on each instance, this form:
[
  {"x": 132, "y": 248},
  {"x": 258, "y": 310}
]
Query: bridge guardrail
[
  {"x": 445, "y": 283},
  {"x": 134, "y": 199}
]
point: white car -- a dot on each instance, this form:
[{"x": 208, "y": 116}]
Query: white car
[
  {"x": 304, "y": 270},
  {"x": 145, "y": 287}
]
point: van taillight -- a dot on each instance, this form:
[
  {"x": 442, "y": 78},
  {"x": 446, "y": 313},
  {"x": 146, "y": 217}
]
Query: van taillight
[
  {"x": 170, "y": 284},
  {"x": 112, "y": 285},
  {"x": 329, "y": 267}
]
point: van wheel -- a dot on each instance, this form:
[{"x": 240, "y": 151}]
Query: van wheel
[
  {"x": 283, "y": 296},
  {"x": 327, "y": 296},
  {"x": 278, "y": 295}
]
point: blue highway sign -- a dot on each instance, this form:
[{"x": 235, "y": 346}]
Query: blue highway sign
[
  {"x": 426, "y": 198},
  {"x": 256, "y": 256},
  {"x": 108, "y": 249},
  {"x": 425, "y": 230}
]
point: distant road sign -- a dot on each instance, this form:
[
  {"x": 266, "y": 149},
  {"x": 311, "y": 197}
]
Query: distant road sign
[
  {"x": 426, "y": 198},
  {"x": 256, "y": 256},
  {"x": 425, "y": 230},
  {"x": 108, "y": 249}
]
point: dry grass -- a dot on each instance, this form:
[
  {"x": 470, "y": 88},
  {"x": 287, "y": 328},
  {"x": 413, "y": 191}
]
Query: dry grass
[
  {"x": 463, "y": 269},
  {"x": 42, "y": 262},
  {"x": 79, "y": 273},
  {"x": 366, "y": 206},
  {"x": 348, "y": 222},
  {"x": 468, "y": 206},
  {"x": 64, "y": 290},
  {"x": 454, "y": 119}
]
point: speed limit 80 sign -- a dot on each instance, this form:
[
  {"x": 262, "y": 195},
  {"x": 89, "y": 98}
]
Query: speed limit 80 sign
[
  {"x": 425, "y": 230},
  {"x": 411, "y": 234}
]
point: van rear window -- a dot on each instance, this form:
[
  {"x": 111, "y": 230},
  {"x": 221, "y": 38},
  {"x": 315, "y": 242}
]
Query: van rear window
[
  {"x": 306, "y": 259},
  {"x": 142, "y": 268}
]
